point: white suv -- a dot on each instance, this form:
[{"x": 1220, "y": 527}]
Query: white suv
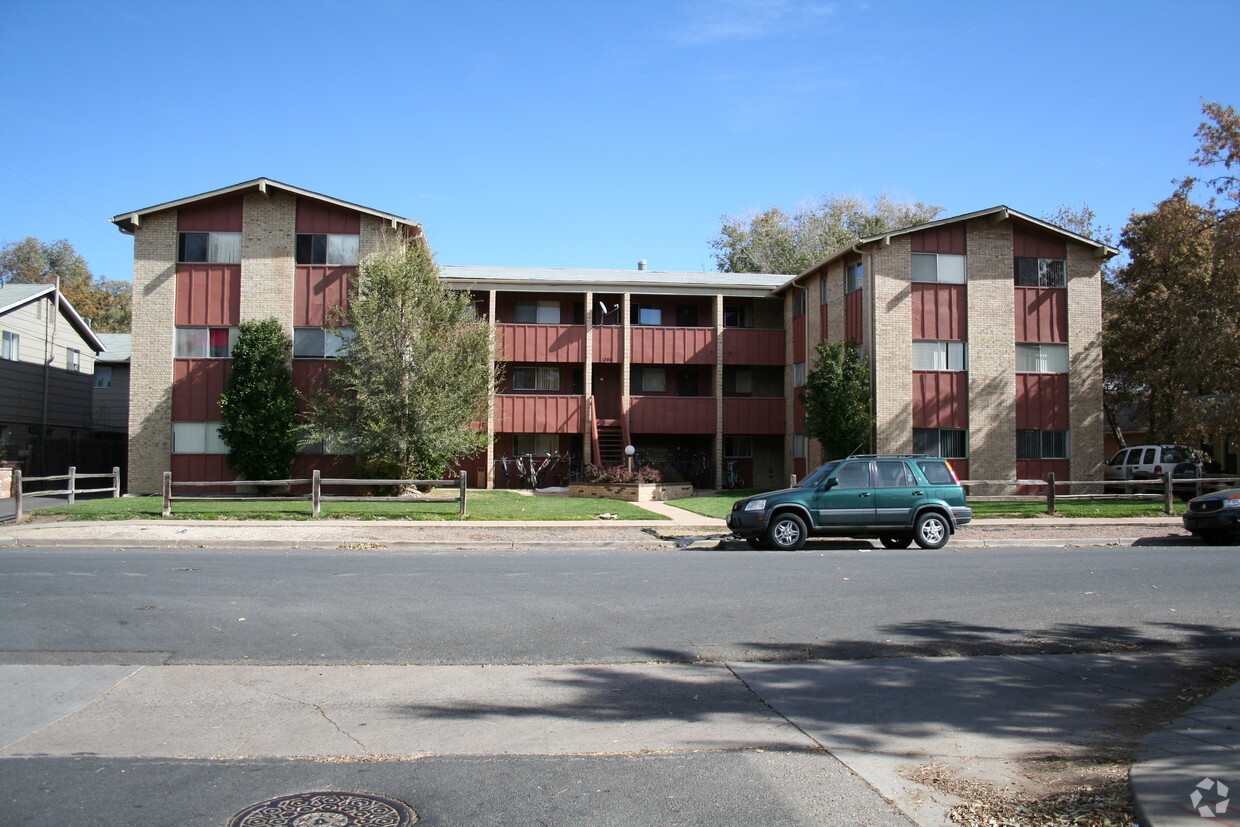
[{"x": 1150, "y": 462}]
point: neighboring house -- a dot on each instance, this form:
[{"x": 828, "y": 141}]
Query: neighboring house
[
  {"x": 47, "y": 358},
  {"x": 984, "y": 334},
  {"x": 701, "y": 369},
  {"x": 110, "y": 395}
]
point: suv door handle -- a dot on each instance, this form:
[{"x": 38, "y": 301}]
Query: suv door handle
[
  {"x": 864, "y": 494},
  {"x": 918, "y": 493}
]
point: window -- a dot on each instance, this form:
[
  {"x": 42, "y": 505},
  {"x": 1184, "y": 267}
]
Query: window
[
  {"x": 1041, "y": 272},
  {"x": 650, "y": 315},
  {"x": 824, "y": 299},
  {"x": 535, "y": 443},
  {"x": 938, "y": 473},
  {"x": 738, "y": 447},
  {"x": 320, "y": 343},
  {"x": 322, "y": 248},
  {"x": 737, "y": 316},
  {"x": 1041, "y": 358},
  {"x": 12, "y": 346},
  {"x": 331, "y": 445},
  {"x": 798, "y": 302},
  {"x": 799, "y": 446},
  {"x": 854, "y": 475},
  {"x": 798, "y": 374},
  {"x": 1041, "y": 444},
  {"x": 197, "y": 438},
  {"x": 536, "y": 312},
  {"x": 214, "y": 248},
  {"x": 938, "y": 267},
  {"x": 951, "y": 443},
  {"x": 854, "y": 274},
  {"x": 205, "y": 342},
  {"x": 893, "y": 473},
  {"x": 653, "y": 380},
  {"x": 940, "y": 356},
  {"x": 737, "y": 380},
  {"x": 536, "y": 379},
  {"x": 73, "y": 360},
  {"x": 103, "y": 376}
]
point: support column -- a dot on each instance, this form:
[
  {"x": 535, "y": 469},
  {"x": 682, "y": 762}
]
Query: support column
[
  {"x": 491, "y": 397},
  {"x": 587, "y": 437},
  {"x": 719, "y": 334}
]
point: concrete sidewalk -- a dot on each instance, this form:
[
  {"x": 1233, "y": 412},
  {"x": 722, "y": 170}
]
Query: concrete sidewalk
[{"x": 999, "y": 721}]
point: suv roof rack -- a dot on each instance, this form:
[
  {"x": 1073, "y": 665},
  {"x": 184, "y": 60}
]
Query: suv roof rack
[{"x": 890, "y": 456}]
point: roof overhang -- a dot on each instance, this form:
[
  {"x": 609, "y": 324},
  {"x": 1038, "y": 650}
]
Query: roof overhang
[
  {"x": 66, "y": 309},
  {"x": 129, "y": 222},
  {"x": 995, "y": 215}
]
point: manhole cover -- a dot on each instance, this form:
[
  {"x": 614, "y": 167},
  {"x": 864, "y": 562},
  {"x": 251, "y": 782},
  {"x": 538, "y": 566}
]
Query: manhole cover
[{"x": 326, "y": 809}]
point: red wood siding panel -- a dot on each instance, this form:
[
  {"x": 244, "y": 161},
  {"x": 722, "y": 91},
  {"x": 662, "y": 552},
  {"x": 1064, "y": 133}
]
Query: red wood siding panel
[
  {"x": 200, "y": 468},
  {"x": 746, "y": 346},
  {"x": 609, "y": 344},
  {"x": 825, "y": 324},
  {"x": 798, "y": 339},
  {"x": 798, "y": 413},
  {"x": 749, "y": 415},
  {"x": 539, "y": 414},
  {"x": 220, "y": 215},
  {"x": 940, "y": 399},
  {"x": 196, "y": 388},
  {"x": 1042, "y": 401},
  {"x": 209, "y": 294},
  {"x": 1030, "y": 245},
  {"x": 1041, "y": 314},
  {"x": 309, "y": 374},
  {"x": 321, "y": 217},
  {"x": 961, "y": 467},
  {"x": 317, "y": 289},
  {"x": 854, "y": 324},
  {"x": 1037, "y": 469},
  {"x": 948, "y": 239},
  {"x": 939, "y": 312},
  {"x": 542, "y": 342},
  {"x": 673, "y": 346},
  {"x": 672, "y": 415},
  {"x": 798, "y": 468}
]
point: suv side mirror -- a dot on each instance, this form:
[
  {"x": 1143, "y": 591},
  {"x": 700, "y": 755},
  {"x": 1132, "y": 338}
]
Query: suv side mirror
[{"x": 830, "y": 483}]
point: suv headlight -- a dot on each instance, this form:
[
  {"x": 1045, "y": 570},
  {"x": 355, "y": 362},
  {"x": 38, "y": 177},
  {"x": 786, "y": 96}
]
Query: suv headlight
[
  {"x": 1231, "y": 502},
  {"x": 760, "y": 505}
]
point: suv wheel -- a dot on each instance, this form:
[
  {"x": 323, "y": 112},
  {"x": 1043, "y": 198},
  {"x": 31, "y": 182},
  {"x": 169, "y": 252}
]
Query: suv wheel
[
  {"x": 896, "y": 542},
  {"x": 787, "y": 533},
  {"x": 931, "y": 530}
]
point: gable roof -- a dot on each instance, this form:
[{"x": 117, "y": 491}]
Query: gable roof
[
  {"x": 119, "y": 347},
  {"x": 13, "y": 296},
  {"x": 128, "y": 222},
  {"x": 535, "y": 279},
  {"x": 996, "y": 214}
]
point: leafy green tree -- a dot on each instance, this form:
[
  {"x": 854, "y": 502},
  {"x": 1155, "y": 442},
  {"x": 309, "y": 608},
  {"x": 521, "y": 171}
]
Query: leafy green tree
[
  {"x": 836, "y": 396},
  {"x": 1173, "y": 318},
  {"x": 417, "y": 374},
  {"x": 775, "y": 242},
  {"x": 106, "y": 302},
  {"x": 259, "y": 403}
]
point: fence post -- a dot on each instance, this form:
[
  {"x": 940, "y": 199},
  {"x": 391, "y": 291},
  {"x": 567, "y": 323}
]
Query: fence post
[
  {"x": 1050, "y": 493},
  {"x": 316, "y": 493},
  {"x": 116, "y": 481},
  {"x": 463, "y": 493},
  {"x": 167, "y": 510},
  {"x": 72, "y": 484},
  {"x": 1167, "y": 494},
  {"x": 17, "y": 495},
  {"x": 793, "y": 481}
]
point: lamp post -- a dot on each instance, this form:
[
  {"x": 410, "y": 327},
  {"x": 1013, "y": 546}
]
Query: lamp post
[{"x": 629, "y": 451}]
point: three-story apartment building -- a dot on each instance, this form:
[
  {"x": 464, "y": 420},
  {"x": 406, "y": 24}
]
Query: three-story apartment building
[{"x": 700, "y": 369}]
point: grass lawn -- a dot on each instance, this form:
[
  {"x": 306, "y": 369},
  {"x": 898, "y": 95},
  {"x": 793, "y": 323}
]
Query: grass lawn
[
  {"x": 718, "y": 505},
  {"x": 482, "y": 505}
]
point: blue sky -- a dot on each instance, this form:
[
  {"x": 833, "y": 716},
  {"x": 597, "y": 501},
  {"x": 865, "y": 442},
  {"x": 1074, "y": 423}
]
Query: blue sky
[{"x": 594, "y": 134}]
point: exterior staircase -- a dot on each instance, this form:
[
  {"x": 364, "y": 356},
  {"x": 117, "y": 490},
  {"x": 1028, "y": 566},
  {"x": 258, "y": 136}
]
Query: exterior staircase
[{"x": 609, "y": 442}]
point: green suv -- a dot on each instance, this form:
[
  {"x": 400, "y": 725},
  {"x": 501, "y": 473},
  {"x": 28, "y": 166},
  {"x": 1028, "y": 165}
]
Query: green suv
[{"x": 898, "y": 499}]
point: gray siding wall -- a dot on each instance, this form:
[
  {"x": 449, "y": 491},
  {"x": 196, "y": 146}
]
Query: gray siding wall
[
  {"x": 110, "y": 406},
  {"x": 22, "y": 382}
]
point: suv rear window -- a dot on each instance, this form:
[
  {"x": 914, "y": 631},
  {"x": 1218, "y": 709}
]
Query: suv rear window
[
  {"x": 1177, "y": 453},
  {"x": 937, "y": 472}
]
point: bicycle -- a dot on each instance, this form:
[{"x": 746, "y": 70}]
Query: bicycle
[{"x": 733, "y": 478}]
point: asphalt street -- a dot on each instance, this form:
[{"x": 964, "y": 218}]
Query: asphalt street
[{"x": 691, "y": 686}]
